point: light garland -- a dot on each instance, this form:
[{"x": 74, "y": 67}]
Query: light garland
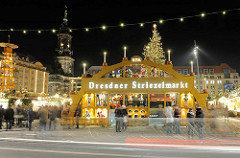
[{"x": 122, "y": 25}]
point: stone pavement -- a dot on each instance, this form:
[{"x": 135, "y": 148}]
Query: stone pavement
[{"x": 136, "y": 134}]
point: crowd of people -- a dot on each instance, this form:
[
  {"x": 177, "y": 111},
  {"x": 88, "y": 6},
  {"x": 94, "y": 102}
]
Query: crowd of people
[
  {"x": 194, "y": 120},
  {"x": 23, "y": 116}
]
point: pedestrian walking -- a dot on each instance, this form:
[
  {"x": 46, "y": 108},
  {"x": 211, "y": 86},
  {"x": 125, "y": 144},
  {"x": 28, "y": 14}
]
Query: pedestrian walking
[
  {"x": 190, "y": 118},
  {"x": 9, "y": 116},
  {"x": 77, "y": 115},
  {"x": 118, "y": 115},
  {"x": 124, "y": 114},
  {"x": 1, "y": 115},
  {"x": 177, "y": 115},
  {"x": 43, "y": 117},
  {"x": 169, "y": 118},
  {"x": 30, "y": 116},
  {"x": 19, "y": 116},
  {"x": 52, "y": 117},
  {"x": 200, "y": 121}
]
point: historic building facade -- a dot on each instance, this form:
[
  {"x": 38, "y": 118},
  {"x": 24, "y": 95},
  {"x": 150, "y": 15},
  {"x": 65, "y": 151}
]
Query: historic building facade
[
  {"x": 216, "y": 79},
  {"x": 59, "y": 80},
  {"x": 26, "y": 72}
]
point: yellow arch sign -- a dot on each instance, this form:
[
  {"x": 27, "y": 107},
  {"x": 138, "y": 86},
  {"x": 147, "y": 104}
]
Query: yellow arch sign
[{"x": 174, "y": 82}]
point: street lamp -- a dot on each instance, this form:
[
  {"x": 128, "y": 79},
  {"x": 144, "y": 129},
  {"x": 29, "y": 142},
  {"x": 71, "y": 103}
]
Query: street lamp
[
  {"x": 196, "y": 54},
  {"x": 84, "y": 68}
]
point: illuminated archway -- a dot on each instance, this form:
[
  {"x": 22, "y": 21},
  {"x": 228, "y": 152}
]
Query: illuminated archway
[{"x": 177, "y": 78}]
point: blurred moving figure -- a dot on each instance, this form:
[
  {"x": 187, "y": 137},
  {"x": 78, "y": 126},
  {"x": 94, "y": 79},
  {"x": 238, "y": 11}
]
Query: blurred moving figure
[
  {"x": 199, "y": 121},
  {"x": 177, "y": 114},
  {"x": 124, "y": 114},
  {"x": 77, "y": 115},
  {"x": 1, "y": 115},
  {"x": 169, "y": 119},
  {"x": 52, "y": 117},
  {"x": 9, "y": 116},
  {"x": 43, "y": 117},
  {"x": 30, "y": 115},
  {"x": 190, "y": 118}
]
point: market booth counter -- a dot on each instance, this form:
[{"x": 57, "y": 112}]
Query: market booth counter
[
  {"x": 144, "y": 87},
  {"x": 94, "y": 109}
]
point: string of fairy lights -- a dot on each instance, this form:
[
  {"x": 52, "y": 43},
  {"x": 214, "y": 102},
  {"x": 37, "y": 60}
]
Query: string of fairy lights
[{"x": 140, "y": 24}]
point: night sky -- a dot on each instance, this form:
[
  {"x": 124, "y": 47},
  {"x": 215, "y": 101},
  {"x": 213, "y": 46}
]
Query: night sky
[{"x": 217, "y": 36}]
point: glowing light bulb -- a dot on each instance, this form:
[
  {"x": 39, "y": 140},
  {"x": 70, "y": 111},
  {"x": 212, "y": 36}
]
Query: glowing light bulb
[
  {"x": 86, "y": 29},
  {"x": 104, "y": 27}
]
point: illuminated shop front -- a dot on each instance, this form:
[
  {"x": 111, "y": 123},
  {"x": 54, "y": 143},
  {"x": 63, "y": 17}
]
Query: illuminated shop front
[{"x": 144, "y": 87}]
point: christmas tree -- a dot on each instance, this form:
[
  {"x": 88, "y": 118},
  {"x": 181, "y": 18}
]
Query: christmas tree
[{"x": 154, "y": 48}]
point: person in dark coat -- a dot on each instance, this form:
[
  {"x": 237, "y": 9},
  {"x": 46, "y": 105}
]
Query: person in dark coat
[
  {"x": 77, "y": 115},
  {"x": 1, "y": 115},
  {"x": 199, "y": 121},
  {"x": 9, "y": 116},
  {"x": 118, "y": 116},
  {"x": 30, "y": 115},
  {"x": 190, "y": 118}
]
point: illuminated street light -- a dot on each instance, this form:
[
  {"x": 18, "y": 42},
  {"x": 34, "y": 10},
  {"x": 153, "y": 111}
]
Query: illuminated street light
[
  {"x": 105, "y": 57},
  {"x": 84, "y": 68},
  {"x": 125, "y": 51},
  {"x": 196, "y": 54}
]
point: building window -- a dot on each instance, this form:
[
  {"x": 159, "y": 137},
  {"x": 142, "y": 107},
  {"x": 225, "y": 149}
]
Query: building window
[
  {"x": 205, "y": 71},
  {"x": 211, "y": 71},
  {"x": 226, "y": 73},
  {"x": 179, "y": 71},
  {"x": 185, "y": 71},
  {"x": 211, "y": 76},
  {"x": 235, "y": 76},
  {"x": 219, "y": 87},
  {"x": 212, "y": 81}
]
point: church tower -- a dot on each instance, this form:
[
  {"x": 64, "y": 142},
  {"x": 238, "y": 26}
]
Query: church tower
[{"x": 64, "y": 50}]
